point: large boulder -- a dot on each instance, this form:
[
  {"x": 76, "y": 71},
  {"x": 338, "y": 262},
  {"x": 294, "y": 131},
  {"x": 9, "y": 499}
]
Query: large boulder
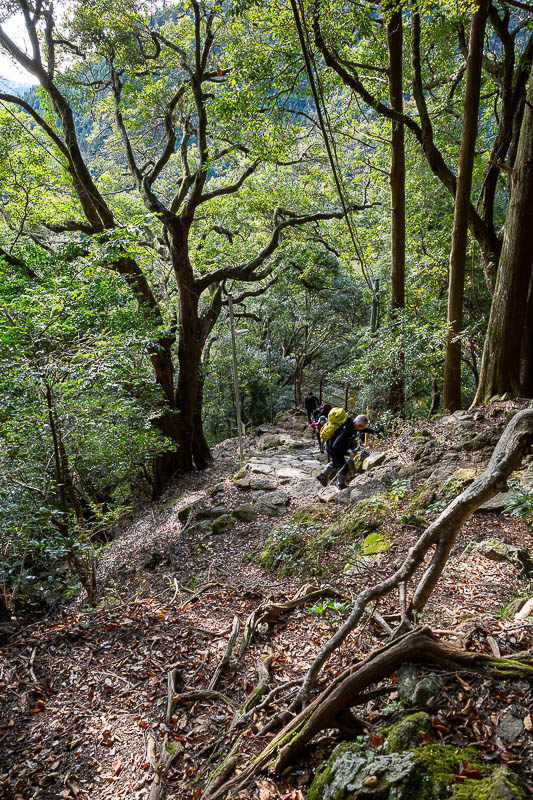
[
  {"x": 496, "y": 503},
  {"x": 211, "y": 513},
  {"x": 263, "y": 484},
  {"x": 488, "y": 438}
]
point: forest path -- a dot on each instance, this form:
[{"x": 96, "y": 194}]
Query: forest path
[{"x": 86, "y": 690}]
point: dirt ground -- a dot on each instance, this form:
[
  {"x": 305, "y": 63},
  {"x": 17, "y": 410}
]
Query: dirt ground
[{"x": 84, "y": 692}]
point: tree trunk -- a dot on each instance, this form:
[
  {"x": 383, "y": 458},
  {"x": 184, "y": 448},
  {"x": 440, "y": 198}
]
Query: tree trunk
[
  {"x": 507, "y": 358},
  {"x": 526, "y": 355},
  {"x": 452, "y": 369},
  {"x": 397, "y": 184},
  {"x": 181, "y": 422},
  {"x": 435, "y": 398}
]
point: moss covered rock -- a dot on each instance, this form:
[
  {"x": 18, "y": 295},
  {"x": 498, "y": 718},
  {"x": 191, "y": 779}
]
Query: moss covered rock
[
  {"x": 363, "y": 518},
  {"x": 405, "y": 734},
  {"x": 223, "y": 523},
  {"x": 423, "y": 773}
]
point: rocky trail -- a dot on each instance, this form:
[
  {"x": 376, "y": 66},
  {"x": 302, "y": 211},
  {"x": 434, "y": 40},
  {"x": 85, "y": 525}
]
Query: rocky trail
[{"x": 221, "y": 595}]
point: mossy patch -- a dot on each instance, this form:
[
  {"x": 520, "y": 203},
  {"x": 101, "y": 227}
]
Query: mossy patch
[
  {"x": 433, "y": 496},
  {"x": 291, "y": 549},
  {"x": 301, "y": 545},
  {"x": 223, "y": 523},
  {"x": 363, "y": 518},
  {"x": 241, "y": 473},
  {"x": 405, "y": 734}
]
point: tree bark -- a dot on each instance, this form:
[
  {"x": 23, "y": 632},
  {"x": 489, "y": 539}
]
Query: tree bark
[
  {"x": 526, "y": 355},
  {"x": 452, "y": 368},
  {"x": 507, "y": 360},
  {"x": 397, "y": 185}
]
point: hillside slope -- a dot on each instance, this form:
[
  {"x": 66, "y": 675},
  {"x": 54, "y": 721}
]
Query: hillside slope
[{"x": 85, "y": 692}]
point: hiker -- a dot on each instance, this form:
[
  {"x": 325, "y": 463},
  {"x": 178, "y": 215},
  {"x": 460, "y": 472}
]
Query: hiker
[
  {"x": 321, "y": 417},
  {"x": 310, "y": 403},
  {"x": 340, "y": 434}
]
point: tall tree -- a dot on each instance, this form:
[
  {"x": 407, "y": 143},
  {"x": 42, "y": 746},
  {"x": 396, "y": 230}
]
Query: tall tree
[
  {"x": 452, "y": 368},
  {"x": 507, "y": 355},
  {"x": 181, "y": 158},
  {"x": 397, "y": 184}
]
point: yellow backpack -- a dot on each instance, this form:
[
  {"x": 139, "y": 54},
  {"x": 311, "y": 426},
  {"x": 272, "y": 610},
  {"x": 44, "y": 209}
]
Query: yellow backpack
[{"x": 336, "y": 417}]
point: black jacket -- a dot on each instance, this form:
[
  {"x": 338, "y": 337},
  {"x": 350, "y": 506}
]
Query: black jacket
[
  {"x": 345, "y": 437},
  {"x": 310, "y": 403}
]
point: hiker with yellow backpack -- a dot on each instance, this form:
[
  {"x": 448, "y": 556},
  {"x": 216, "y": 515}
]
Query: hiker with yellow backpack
[{"x": 339, "y": 434}]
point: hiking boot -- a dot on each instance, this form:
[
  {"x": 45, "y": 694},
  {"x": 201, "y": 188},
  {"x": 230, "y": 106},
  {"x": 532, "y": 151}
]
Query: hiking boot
[
  {"x": 341, "y": 483},
  {"x": 322, "y": 479}
]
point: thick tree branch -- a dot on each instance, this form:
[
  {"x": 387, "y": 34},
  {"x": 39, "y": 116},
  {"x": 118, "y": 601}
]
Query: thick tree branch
[
  {"x": 230, "y": 188},
  {"x": 10, "y": 98},
  {"x": 247, "y": 271}
]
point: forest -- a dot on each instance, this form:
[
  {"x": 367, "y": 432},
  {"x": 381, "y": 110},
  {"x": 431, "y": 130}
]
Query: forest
[{"x": 210, "y": 210}]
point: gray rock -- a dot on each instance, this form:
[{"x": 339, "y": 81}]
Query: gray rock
[
  {"x": 211, "y": 513},
  {"x": 425, "y": 689},
  {"x": 242, "y": 483},
  {"x": 486, "y": 439},
  {"x": 407, "y": 676},
  {"x": 331, "y": 494},
  {"x": 351, "y": 776},
  {"x": 361, "y": 488},
  {"x": 496, "y": 550},
  {"x": 303, "y": 490},
  {"x": 272, "y": 504},
  {"x": 218, "y": 488},
  {"x": 290, "y": 473},
  {"x": 276, "y": 498},
  {"x": 244, "y": 513},
  {"x": 509, "y": 727},
  {"x": 496, "y": 503},
  {"x": 374, "y": 460},
  {"x": 414, "y": 691},
  {"x": 264, "y": 484},
  {"x": 262, "y": 469}
]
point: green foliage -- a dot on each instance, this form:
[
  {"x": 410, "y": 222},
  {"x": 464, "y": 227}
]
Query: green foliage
[
  {"x": 72, "y": 355},
  {"x": 520, "y": 504},
  {"x": 322, "y": 606}
]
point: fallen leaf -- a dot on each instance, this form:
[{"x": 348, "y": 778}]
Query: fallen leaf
[
  {"x": 528, "y": 722},
  {"x": 372, "y": 780}
]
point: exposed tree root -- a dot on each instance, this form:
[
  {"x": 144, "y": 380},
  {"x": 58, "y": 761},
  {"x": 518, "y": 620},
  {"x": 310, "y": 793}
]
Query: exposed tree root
[
  {"x": 202, "y": 694},
  {"x": 270, "y": 612},
  {"x": 227, "y": 654},
  {"x": 254, "y": 698},
  {"x": 331, "y": 709},
  {"x": 161, "y": 764}
]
